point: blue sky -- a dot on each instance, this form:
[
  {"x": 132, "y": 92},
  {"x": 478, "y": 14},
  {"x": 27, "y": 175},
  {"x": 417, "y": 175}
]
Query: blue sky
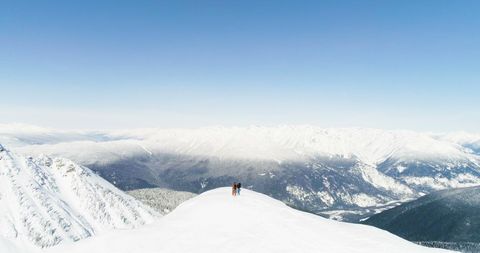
[{"x": 115, "y": 64}]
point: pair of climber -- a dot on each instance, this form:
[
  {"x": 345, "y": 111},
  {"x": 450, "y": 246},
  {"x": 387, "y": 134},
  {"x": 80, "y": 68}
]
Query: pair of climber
[{"x": 236, "y": 188}]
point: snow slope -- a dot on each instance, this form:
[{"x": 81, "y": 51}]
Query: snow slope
[
  {"x": 50, "y": 200},
  {"x": 217, "y": 222},
  {"x": 8, "y": 246}
]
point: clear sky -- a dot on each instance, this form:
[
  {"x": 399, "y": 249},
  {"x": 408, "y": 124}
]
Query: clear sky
[{"x": 114, "y": 64}]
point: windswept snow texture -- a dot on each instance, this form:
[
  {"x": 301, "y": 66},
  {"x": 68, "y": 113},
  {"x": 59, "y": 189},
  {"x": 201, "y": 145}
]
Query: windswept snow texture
[
  {"x": 50, "y": 200},
  {"x": 343, "y": 173},
  {"x": 252, "y": 222},
  {"x": 162, "y": 200}
]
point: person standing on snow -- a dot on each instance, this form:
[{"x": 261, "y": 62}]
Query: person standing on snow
[
  {"x": 234, "y": 189},
  {"x": 239, "y": 185}
]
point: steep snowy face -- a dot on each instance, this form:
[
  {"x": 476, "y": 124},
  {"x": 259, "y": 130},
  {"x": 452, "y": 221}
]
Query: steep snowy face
[
  {"x": 49, "y": 200},
  {"x": 252, "y": 222}
]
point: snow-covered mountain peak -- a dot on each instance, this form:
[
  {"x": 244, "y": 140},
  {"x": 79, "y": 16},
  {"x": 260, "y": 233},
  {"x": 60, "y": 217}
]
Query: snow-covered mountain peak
[
  {"x": 217, "y": 222},
  {"x": 50, "y": 200}
]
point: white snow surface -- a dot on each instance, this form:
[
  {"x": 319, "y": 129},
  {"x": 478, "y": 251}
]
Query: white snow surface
[
  {"x": 10, "y": 246},
  {"x": 47, "y": 201},
  {"x": 252, "y": 222}
]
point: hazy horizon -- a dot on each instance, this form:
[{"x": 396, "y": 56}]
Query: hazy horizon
[{"x": 16, "y": 127}]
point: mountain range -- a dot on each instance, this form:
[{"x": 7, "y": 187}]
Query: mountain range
[{"x": 342, "y": 173}]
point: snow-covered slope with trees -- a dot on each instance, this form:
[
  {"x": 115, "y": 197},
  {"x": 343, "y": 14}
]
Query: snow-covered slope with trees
[
  {"x": 252, "y": 222},
  {"x": 162, "y": 200},
  {"x": 47, "y": 200},
  {"x": 346, "y": 173}
]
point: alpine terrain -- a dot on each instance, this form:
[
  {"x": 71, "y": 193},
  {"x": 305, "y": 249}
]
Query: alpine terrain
[
  {"x": 46, "y": 201},
  {"x": 217, "y": 222},
  {"x": 448, "y": 218},
  {"x": 342, "y": 173}
]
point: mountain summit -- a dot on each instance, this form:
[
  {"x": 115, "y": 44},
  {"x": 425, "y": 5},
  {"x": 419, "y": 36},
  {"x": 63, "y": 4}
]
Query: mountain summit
[{"x": 252, "y": 222}]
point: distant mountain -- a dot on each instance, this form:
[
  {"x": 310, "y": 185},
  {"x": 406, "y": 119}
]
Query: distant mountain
[
  {"x": 162, "y": 200},
  {"x": 50, "y": 200},
  {"x": 342, "y": 173},
  {"x": 467, "y": 140},
  {"x": 252, "y": 222},
  {"x": 448, "y": 216}
]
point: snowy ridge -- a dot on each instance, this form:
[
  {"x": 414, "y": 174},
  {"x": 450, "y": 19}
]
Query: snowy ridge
[
  {"x": 50, "y": 200},
  {"x": 252, "y": 222}
]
